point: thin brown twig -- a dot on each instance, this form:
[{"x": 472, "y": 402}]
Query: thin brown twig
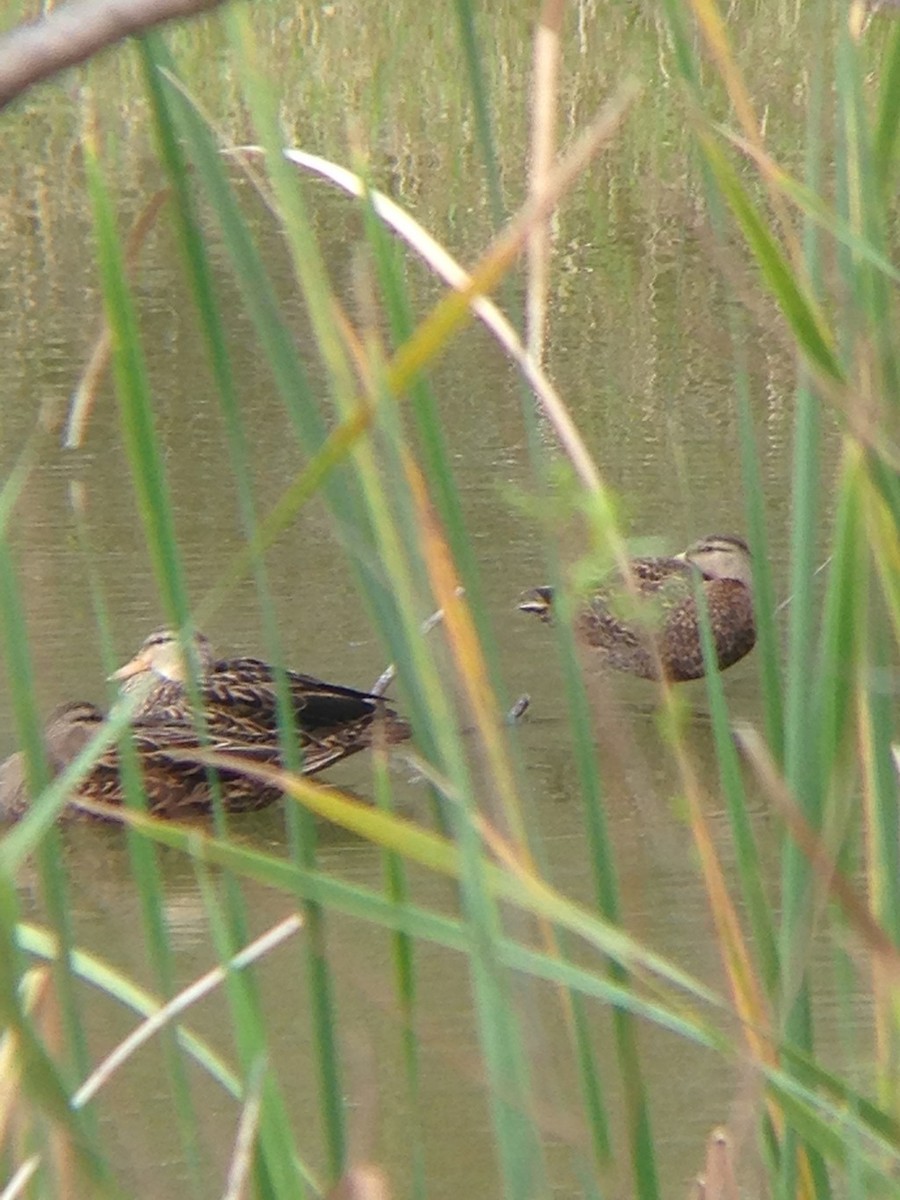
[
  {"x": 818, "y": 571},
  {"x": 444, "y": 265},
  {"x": 244, "y": 1143},
  {"x": 719, "y": 1178},
  {"x": 20, "y": 1180},
  {"x": 173, "y": 1009},
  {"x": 387, "y": 676},
  {"x": 545, "y": 87},
  {"x": 810, "y": 841},
  {"x": 76, "y": 32},
  {"x": 85, "y": 392}
]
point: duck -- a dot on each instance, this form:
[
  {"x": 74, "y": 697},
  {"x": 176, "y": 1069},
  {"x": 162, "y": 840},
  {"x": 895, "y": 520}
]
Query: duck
[
  {"x": 175, "y": 785},
  {"x": 239, "y": 698},
  {"x": 665, "y": 643}
]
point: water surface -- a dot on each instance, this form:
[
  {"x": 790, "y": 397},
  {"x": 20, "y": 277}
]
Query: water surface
[{"x": 640, "y": 349}]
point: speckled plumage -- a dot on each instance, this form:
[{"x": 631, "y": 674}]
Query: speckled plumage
[
  {"x": 175, "y": 786},
  {"x": 655, "y": 630},
  {"x": 239, "y": 700}
]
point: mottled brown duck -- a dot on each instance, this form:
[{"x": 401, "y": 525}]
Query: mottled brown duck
[
  {"x": 239, "y": 700},
  {"x": 656, "y": 630},
  {"x": 175, "y": 784}
]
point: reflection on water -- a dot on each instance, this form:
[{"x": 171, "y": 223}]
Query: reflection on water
[
  {"x": 639, "y": 348},
  {"x": 661, "y": 901},
  {"x": 662, "y": 904}
]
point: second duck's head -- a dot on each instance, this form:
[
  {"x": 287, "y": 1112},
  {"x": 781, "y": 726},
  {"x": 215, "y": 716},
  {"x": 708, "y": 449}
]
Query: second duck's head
[
  {"x": 163, "y": 653},
  {"x": 721, "y": 556}
]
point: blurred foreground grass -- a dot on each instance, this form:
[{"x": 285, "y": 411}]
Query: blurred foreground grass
[{"x": 819, "y": 226}]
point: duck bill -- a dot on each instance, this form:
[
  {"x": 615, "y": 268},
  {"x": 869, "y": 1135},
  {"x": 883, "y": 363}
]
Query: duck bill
[
  {"x": 138, "y": 664},
  {"x": 538, "y": 600}
]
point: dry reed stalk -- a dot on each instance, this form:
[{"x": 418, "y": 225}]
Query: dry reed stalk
[{"x": 545, "y": 87}]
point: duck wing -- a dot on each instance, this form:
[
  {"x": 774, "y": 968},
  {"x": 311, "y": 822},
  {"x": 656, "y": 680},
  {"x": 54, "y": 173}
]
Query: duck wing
[
  {"x": 656, "y": 574},
  {"x": 241, "y": 700},
  {"x": 175, "y": 776}
]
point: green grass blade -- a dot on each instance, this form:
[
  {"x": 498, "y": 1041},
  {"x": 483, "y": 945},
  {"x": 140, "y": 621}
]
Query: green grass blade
[{"x": 800, "y": 309}]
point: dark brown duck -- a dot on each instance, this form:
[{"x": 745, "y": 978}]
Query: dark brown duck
[
  {"x": 239, "y": 701},
  {"x": 175, "y": 784},
  {"x": 660, "y": 635}
]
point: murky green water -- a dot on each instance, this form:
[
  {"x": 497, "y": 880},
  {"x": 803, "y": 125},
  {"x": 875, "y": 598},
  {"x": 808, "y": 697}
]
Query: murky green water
[{"x": 639, "y": 348}]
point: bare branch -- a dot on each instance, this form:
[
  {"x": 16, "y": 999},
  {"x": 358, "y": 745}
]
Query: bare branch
[{"x": 73, "y": 33}]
